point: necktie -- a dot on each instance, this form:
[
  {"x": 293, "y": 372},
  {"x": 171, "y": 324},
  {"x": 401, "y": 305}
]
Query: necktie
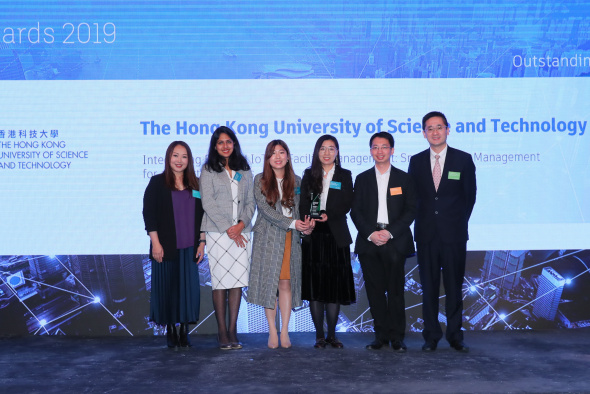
[{"x": 436, "y": 173}]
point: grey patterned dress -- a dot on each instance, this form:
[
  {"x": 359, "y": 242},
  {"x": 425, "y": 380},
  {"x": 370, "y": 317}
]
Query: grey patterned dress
[{"x": 270, "y": 231}]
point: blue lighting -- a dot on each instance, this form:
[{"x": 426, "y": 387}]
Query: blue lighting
[
  {"x": 472, "y": 289},
  {"x": 502, "y": 316},
  {"x": 43, "y": 322},
  {"x": 96, "y": 300},
  {"x": 568, "y": 281}
]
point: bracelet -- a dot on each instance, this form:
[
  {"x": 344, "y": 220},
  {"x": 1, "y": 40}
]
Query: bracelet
[{"x": 202, "y": 241}]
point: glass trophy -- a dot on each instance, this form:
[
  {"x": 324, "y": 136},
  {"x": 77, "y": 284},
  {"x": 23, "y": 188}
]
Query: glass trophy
[{"x": 314, "y": 211}]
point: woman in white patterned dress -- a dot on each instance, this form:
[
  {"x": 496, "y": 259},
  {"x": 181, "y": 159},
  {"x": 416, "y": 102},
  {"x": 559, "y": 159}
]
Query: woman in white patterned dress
[{"x": 228, "y": 201}]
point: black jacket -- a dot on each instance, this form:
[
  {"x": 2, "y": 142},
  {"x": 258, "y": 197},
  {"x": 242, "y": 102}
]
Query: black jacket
[
  {"x": 158, "y": 215},
  {"x": 401, "y": 209},
  {"x": 338, "y": 204}
]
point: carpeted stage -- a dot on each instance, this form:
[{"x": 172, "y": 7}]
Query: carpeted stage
[{"x": 499, "y": 361}]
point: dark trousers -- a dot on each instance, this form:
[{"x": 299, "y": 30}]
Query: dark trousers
[
  {"x": 383, "y": 271},
  {"x": 449, "y": 258}
]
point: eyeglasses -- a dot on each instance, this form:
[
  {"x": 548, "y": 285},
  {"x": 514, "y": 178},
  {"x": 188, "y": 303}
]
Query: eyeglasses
[
  {"x": 382, "y": 147},
  {"x": 330, "y": 149},
  {"x": 437, "y": 128}
]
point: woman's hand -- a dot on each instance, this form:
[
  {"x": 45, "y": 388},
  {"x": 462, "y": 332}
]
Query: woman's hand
[
  {"x": 323, "y": 218},
  {"x": 241, "y": 241},
  {"x": 200, "y": 252},
  {"x": 235, "y": 234},
  {"x": 157, "y": 252},
  {"x": 235, "y": 230},
  {"x": 304, "y": 225}
]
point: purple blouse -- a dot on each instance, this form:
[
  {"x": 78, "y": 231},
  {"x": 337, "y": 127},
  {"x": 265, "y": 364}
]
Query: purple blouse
[{"x": 183, "y": 204}]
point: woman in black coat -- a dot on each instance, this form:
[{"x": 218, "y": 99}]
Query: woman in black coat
[
  {"x": 172, "y": 213},
  {"x": 327, "y": 280}
]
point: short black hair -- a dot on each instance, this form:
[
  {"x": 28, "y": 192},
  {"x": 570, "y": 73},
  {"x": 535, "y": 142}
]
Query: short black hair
[
  {"x": 434, "y": 114},
  {"x": 382, "y": 134}
]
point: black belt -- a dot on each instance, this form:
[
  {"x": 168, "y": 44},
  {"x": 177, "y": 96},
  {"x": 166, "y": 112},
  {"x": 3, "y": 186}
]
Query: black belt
[{"x": 381, "y": 226}]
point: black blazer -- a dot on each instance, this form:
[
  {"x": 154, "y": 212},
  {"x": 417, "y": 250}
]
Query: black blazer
[
  {"x": 158, "y": 215},
  {"x": 401, "y": 209},
  {"x": 445, "y": 212},
  {"x": 338, "y": 204}
]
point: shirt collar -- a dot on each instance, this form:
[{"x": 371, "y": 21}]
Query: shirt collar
[
  {"x": 442, "y": 154},
  {"x": 386, "y": 173},
  {"x": 329, "y": 172}
]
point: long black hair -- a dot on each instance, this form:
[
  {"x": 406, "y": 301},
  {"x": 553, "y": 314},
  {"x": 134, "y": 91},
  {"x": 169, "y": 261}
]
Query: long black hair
[
  {"x": 316, "y": 170},
  {"x": 236, "y": 161}
]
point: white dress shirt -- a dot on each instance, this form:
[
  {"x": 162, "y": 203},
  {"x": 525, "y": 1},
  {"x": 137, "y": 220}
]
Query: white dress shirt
[
  {"x": 382, "y": 183},
  {"x": 286, "y": 211},
  {"x": 326, "y": 187},
  {"x": 441, "y": 160}
]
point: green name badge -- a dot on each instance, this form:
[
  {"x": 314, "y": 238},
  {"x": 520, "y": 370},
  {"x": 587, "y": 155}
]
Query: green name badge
[
  {"x": 237, "y": 176},
  {"x": 297, "y": 190},
  {"x": 335, "y": 185},
  {"x": 196, "y": 194},
  {"x": 454, "y": 175}
]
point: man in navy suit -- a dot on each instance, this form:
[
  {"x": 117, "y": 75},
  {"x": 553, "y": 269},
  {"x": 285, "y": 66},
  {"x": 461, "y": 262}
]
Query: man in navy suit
[
  {"x": 445, "y": 184},
  {"x": 383, "y": 208}
]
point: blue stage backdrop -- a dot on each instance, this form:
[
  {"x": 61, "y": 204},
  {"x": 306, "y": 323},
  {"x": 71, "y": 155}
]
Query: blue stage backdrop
[{"x": 92, "y": 93}]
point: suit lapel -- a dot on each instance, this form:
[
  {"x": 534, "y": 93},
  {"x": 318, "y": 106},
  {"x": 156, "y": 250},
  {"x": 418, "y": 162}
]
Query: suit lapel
[
  {"x": 240, "y": 186},
  {"x": 224, "y": 178},
  {"x": 445, "y": 170},
  {"x": 335, "y": 178}
]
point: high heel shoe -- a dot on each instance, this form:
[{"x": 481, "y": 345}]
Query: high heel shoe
[
  {"x": 273, "y": 341},
  {"x": 223, "y": 346},
  {"x": 171, "y": 336},
  {"x": 285, "y": 341},
  {"x": 234, "y": 341},
  {"x": 184, "y": 336}
]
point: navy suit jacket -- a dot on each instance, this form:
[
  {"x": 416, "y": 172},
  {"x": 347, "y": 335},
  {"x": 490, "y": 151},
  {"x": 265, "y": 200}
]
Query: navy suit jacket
[
  {"x": 401, "y": 209},
  {"x": 446, "y": 212},
  {"x": 337, "y": 205}
]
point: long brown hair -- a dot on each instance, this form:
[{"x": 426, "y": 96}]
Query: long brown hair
[
  {"x": 268, "y": 183},
  {"x": 189, "y": 178}
]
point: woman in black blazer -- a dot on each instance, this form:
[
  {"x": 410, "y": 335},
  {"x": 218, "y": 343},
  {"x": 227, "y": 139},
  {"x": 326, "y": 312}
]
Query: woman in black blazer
[
  {"x": 172, "y": 213},
  {"x": 327, "y": 280}
]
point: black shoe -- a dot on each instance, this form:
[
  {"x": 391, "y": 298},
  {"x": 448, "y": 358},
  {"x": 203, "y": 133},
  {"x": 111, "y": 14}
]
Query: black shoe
[
  {"x": 399, "y": 346},
  {"x": 376, "y": 345},
  {"x": 171, "y": 336},
  {"x": 429, "y": 347},
  {"x": 334, "y": 342},
  {"x": 320, "y": 343},
  {"x": 460, "y": 346},
  {"x": 184, "y": 337}
]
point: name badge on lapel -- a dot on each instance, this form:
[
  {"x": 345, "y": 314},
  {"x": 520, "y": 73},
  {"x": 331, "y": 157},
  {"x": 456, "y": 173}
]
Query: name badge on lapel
[
  {"x": 196, "y": 194},
  {"x": 297, "y": 190},
  {"x": 238, "y": 176},
  {"x": 335, "y": 185},
  {"x": 395, "y": 191},
  {"x": 456, "y": 176}
]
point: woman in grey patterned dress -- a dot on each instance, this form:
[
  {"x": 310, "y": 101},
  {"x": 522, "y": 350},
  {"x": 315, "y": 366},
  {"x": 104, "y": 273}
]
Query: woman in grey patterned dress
[{"x": 276, "y": 251}]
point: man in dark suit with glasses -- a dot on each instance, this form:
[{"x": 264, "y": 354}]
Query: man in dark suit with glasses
[{"x": 446, "y": 188}]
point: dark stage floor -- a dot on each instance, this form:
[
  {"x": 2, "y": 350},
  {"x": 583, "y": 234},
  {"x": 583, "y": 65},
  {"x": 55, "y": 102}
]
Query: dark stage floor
[{"x": 508, "y": 361}]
